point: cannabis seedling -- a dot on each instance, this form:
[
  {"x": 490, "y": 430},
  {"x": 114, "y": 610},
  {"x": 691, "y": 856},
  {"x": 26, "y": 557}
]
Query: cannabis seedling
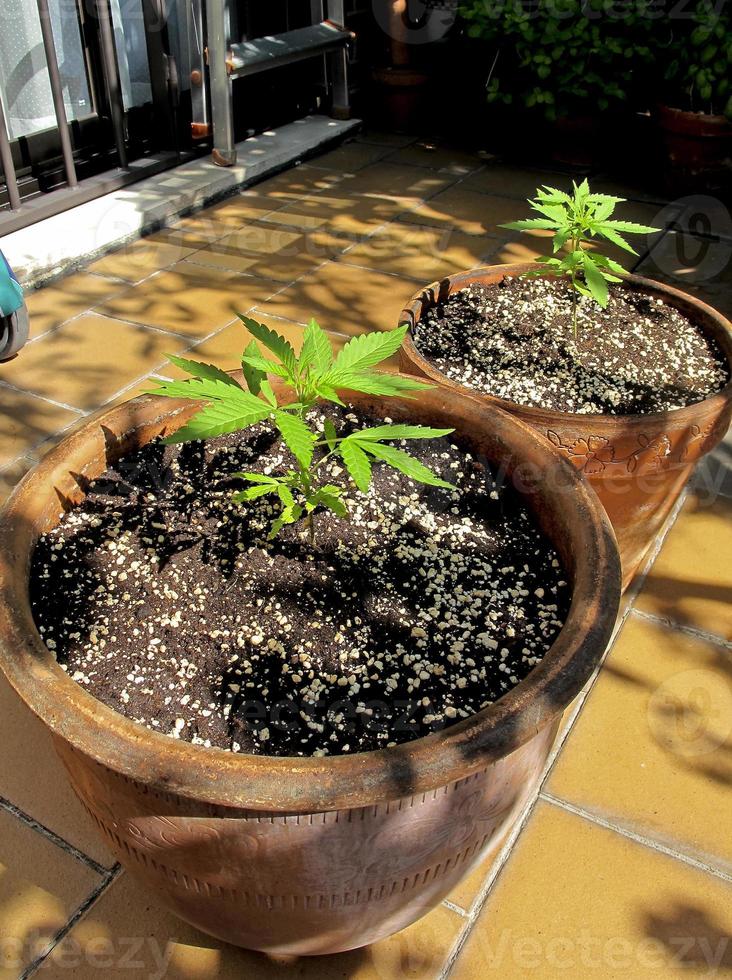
[
  {"x": 314, "y": 375},
  {"x": 576, "y": 219}
]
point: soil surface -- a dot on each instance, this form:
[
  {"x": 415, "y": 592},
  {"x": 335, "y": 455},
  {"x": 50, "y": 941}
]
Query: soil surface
[
  {"x": 163, "y": 599},
  {"x": 515, "y": 340}
]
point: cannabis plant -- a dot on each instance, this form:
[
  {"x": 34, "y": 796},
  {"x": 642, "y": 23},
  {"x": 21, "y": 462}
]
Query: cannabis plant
[
  {"x": 576, "y": 219},
  {"x": 313, "y": 375}
]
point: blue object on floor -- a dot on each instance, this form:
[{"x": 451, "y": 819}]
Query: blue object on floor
[{"x": 14, "y": 325}]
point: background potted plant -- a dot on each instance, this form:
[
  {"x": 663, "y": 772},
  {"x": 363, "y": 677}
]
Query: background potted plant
[
  {"x": 695, "y": 110},
  {"x": 284, "y": 852},
  {"x": 596, "y": 362},
  {"x": 567, "y": 66}
]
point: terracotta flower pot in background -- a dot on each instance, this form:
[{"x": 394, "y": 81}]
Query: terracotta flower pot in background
[
  {"x": 310, "y": 855},
  {"x": 698, "y": 150},
  {"x": 637, "y": 464}
]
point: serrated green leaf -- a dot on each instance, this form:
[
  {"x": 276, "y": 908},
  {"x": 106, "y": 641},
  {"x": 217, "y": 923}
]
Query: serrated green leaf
[
  {"x": 615, "y": 238},
  {"x": 397, "y": 431},
  {"x": 632, "y": 227},
  {"x": 329, "y": 394},
  {"x": 289, "y": 515},
  {"x": 357, "y": 464},
  {"x": 331, "y": 436},
  {"x": 252, "y": 375},
  {"x": 595, "y": 280},
  {"x": 274, "y": 342},
  {"x": 378, "y": 383},
  {"x": 265, "y": 366},
  {"x": 199, "y": 369},
  {"x": 201, "y": 389},
  {"x": 285, "y": 495},
  {"x": 406, "y": 464},
  {"x": 297, "y": 436},
  {"x": 255, "y": 477},
  {"x": 363, "y": 352},
  {"x": 316, "y": 351},
  {"x": 266, "y": 389},
  {"x": 219, "y": 419},
  {"x": 531, "y": 224},
  {"x": 252, "y": 493}
]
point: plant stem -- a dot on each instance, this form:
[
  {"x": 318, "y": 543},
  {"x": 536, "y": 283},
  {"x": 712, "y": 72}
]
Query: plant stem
[{"x": 311, "y": 527}]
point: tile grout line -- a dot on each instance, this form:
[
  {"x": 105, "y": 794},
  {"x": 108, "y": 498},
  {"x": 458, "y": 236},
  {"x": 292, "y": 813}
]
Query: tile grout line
[
  {"x": 692, "y": 631},
  {"x": 45, "y": 398},
  {"x": 647, "y": 842},
  {"x": 52, "y": 836},
  {"x": 91, "y": 900},
  {"x": 455, "y": 908}
]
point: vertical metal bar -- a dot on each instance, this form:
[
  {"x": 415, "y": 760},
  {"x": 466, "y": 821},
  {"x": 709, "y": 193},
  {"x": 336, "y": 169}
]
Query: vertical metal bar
[
  {"x": 155, "y": 16},
  {"x": 341, "y": 107},
  {"x": 316, "y": 11},
  {"x": 111, "y": 74},
  {"x": 224, "y": 152},
  {"x": 6, "y": 158},
  {"x": 54, "y": 77},
  {"x": 200, "y": 126}
]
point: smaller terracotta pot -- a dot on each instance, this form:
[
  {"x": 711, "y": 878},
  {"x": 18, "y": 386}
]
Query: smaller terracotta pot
[
  {"x": 698, "y": 149},
  {"x": 637, "y": 464}
]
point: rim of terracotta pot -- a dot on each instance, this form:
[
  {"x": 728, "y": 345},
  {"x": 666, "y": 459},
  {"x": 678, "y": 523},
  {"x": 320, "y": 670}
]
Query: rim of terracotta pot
[
  {"x": 711, "y": 321},
  {"x": 582, "y": 534}
]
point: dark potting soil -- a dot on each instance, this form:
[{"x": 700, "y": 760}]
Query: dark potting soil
[
  {"x": 164, "y": 600},
  {"x": 515, "y": 340}
]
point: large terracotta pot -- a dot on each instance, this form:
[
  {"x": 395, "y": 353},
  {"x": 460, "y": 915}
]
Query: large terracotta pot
[
  {"x": 312, "y": 855},
  {"x": 637, "y": 464}
]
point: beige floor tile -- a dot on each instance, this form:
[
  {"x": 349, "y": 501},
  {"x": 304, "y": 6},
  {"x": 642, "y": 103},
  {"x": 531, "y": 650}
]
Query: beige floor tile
[
  {"x": 261, "y": 249},
  {"x": 25, "y": 420},
  {"x": 577, "y": 901},
  {"x": 344, "y": 299},
  {"x": 371, "y": 135},
  {"x": 189, "y": 299},
  {"x": 508, "y": 181},
  {"x": 87, "y": 361},
  {"x": 386, "y": 180},
  {"x": 350, "y": 157},
  {"x": 54, "y": 304},
  {"x": 699, "y": 266},
  {"x": 471, "y": 212},
  {"x": 691, "y": 580},
  {"x": 41, "y": 886},
  {"x": 125, "y": 914},
  {"x": 424, "y": 254},
  {"x": 348, "y": 215},
  {"x": 33, "y": 779},
  {"x": 674, "y": 746},
  {"x": 141, "y": 258},
  {"x": 440, "y": 158}
]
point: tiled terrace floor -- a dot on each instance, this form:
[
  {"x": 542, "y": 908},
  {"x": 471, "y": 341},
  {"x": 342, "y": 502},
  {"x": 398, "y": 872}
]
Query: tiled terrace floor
[{"x": 623, "y": 865}]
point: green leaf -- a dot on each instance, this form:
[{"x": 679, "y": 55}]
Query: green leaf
[
  {"x": 365, "y": 351},
  {"x": 615, "y": 238},
  {"x": 264, "y": 365},
  {"x": 219, "y": 419},
  {"x": 329, "y": 393},
  {"x": 330, "y": 497},
  {"x": 243, "y": 496},
  {"x": 377, "y": 383},
  {"x": 531, "y": 224},
  {"x": 379, "y": 432},
  {"x": 280, "y": 347},
  {"x": 316, "y": 349},
  {"x": 289, "y": 515},
  {"x": 632, "y": 227},
  {"x": 406, "y": 464},
  {"x": 256, "y": 477},
  {"x": 298, "y": 437},
  {"x": 252, "y": 375},
  {"x": 285, "y": 495},
  {"x": 266, "y": 389},
  {"x": 357, "y": 464},
  {"x": 201, "y": 389},
  {"x": 331, "y": 437},
  {"x": 595, "y": 280},
  {"x": 201, "y": 370}
]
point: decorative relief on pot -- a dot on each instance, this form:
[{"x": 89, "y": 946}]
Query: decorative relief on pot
[{"x": 594, "y": 454}]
